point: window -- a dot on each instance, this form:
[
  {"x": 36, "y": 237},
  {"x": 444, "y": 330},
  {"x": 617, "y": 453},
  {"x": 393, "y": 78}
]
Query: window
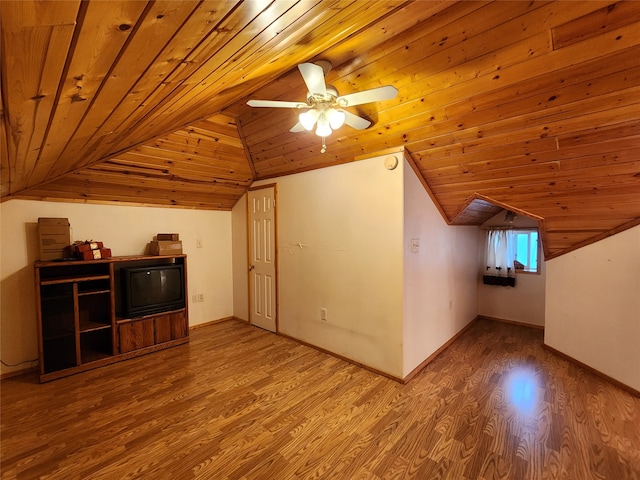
[
  {"x": 526, "y": 257},
  {"x": 511, "y": 250}
]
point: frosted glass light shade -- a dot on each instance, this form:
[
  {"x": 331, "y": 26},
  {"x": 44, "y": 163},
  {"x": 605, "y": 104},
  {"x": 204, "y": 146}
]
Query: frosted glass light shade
[
  {"x": 336, "y": 118},
  {"x": 323, "y": 130},
  {"x": 308, "y": 119}
]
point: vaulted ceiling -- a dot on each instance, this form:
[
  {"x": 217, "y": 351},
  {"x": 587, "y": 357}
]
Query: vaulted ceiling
[{"x": 530, "y": 106}]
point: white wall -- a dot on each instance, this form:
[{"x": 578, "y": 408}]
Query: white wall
[
  {"x": 440, "y": 280},
  {"x": 593, "y": 306},
  {"x": 524, "y": 303},
  {"x": 124, "y": 229},
  {"x": 240, "y": 259},
  {"x": 348, "y": 219}
]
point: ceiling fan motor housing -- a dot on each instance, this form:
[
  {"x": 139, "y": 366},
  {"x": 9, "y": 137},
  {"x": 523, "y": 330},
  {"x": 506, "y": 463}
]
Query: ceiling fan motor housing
[{"x": 328, "y": 98}]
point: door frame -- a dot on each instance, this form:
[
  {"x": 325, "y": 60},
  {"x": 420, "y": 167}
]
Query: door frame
[{"x": 275, "y": 245}]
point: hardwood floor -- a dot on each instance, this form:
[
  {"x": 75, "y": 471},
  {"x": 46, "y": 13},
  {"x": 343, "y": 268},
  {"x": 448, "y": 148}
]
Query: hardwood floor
[{"x": 241, "y": 403}]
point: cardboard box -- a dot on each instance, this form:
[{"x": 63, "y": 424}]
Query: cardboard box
[
  {"x": 94, "y": 254},
  {"x": 174, "y": 237},
  {"x": 165, "y": 247},
  {"x": 54, "y": 238}
]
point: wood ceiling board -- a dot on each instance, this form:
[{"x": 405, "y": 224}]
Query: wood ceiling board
[
  {"x": 605, "y": 19},
  {"x": 29, "y": 13},
  {"x": 367, "y": 47},
  {"x": 603, "y": 153},
  {"x": 588, "y": 178},
  {"x": 550, "y": 173},
  {"x": 113, "y": 174},
  {"x": 545, "y": 88},
  {"x": 92, "y": 191},
  {"x": 212, "y": 149},
  {"x": 201, "y": 68},
  {"x": 270, "y": 154},
  {"x": 436, "y": 50},
  {"x": 229, "y": 72},
  {"x": 452, "y": 85},
  {"x": 175, "y": 163},
  {"x": 29, "y": 99},
  {"x": 506, "y": 132},
  {"x": 199, "y": 29},
  {"x": 105, "y": 29},
  {"x": 94, "y": 180},
  {"x": 171, "y": 150},
  {"x": 473, "y": 214},
  {"x": 149, "y": 37}
]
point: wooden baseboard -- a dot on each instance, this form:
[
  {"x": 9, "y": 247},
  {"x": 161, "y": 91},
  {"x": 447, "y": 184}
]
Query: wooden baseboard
[
  {"x": 346, "y": 359},
  {"x": 17, "y": 373},
  {"x": 407, "y": 378},
  {"x": 219, "y": 320},
  {"x": 604, "y": 376},
  {"x": 512, "y": 322},
  {"x": 431, "y": 357}
]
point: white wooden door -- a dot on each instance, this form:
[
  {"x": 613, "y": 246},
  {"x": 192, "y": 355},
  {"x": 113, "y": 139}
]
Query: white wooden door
[{"x": 262, "y": 259}]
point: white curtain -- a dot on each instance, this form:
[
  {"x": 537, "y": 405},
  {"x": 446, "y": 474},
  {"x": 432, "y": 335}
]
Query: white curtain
[{"x": 500, "y": 253}]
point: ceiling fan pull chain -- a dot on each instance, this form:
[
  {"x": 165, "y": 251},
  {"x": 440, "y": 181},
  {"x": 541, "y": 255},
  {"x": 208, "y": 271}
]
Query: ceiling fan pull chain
[{"x": 324, "y": 146}]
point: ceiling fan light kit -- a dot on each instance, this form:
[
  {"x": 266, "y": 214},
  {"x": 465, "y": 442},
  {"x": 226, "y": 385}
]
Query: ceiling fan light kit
[{"x": 322, "y": 100}]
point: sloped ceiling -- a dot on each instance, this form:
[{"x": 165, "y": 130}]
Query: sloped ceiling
[{"x": 530, "y": 106}]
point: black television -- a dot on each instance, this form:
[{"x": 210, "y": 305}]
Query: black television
[{"x": 152, "y": 289}]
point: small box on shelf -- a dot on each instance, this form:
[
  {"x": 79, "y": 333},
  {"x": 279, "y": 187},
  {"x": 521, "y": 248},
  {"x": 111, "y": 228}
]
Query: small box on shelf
[
  {"x": 86, "y": 246},
  {"x": 90, "y": 250},
  {"x": 173, "y": 237},
  {"x": 94, "y": 254},
  {"x": 165, "y": 247}
]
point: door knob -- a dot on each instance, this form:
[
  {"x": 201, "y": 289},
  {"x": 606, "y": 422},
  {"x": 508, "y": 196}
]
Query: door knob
[{"x": 252, "y": 267}]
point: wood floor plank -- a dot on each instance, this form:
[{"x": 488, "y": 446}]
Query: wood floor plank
[{"x": 241, "y": 403}]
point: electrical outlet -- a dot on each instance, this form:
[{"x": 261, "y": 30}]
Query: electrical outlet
[
  {"x": 323, "y": 314},
  {"x": 201, "y": 297}
]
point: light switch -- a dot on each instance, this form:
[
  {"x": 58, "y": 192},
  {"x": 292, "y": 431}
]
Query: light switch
[{"x": 415, "y": 245}]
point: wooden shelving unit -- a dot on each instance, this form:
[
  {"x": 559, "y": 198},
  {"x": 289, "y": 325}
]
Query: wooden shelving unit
[{"x": 79, "y": 328}]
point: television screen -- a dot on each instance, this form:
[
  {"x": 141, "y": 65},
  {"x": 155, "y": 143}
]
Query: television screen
[{"x": 152, "y": 289}]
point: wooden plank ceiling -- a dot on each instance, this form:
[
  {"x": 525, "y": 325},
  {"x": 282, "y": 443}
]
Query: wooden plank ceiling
[{"x": 531, "y": 106}]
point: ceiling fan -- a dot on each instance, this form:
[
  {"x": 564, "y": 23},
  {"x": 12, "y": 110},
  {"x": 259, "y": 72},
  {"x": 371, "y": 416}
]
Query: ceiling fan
[{"x": 324, "y": 107}]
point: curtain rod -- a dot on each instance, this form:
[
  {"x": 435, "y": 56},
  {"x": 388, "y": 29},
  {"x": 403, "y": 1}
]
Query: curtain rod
[{"x": 497, "y": 227}]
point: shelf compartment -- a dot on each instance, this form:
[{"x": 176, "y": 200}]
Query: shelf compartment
[
  {"x": 94, "y": 286},
  {"x": 94, "y": 292},
  {"x": 73, "y": 272},
  {"x": 52, "y": 292},
  {"x": 59, "y": 353},
  {"x": 95, "y": 345},
  {"x": 94, "y": 309},
  {"x": 57, "y": 311},
  {"x": 75, "y": 279},
  {"x": 90, "y": 326}
]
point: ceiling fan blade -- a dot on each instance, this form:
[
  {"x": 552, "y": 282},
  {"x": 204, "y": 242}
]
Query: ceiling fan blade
[
  {"x": 297, "y": 128},
  {"x": 367, "y": 96},
  {"x": 313, "y": 76},
  {"x": 276, "y": 104},
  {"x": 355, "y": 121}
]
